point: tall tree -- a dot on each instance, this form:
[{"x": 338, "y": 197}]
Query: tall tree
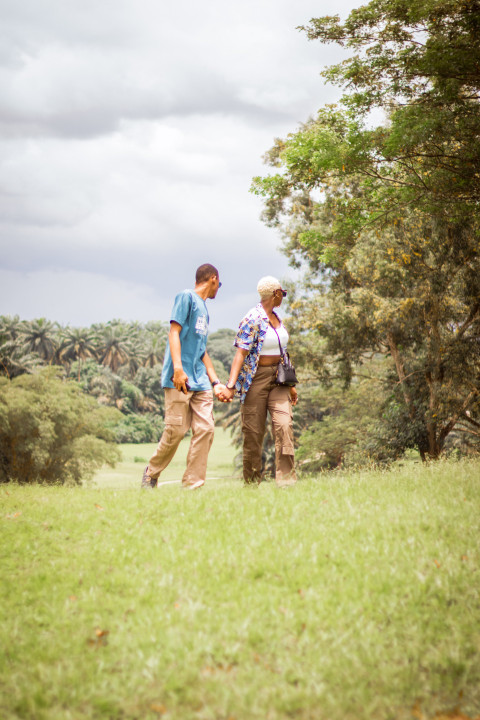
[
  {"x": 14, "y": 358},
  {"x": 420, "y": 63},
  {"x": 40, "y": 336},
  {"x": 115, "y": 348},
  {"x": 153, "y": 351},
  {"x": 387, "y": 218},
  {"x": 77, "y": 345}
]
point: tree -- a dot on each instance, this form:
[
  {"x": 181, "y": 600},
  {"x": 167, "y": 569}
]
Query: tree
[
  {"x": 155, "y": 337},
  {"x": 149, "y": 381},
  {"x": 41, "y": 337},
  {"x": 386, "y": 219},
  {"x": 114, "y": 347},
  {"x": 419, "y": 62},
  {"x": 77, "y": 345},
  {"x": 14, "y": 358},
  {"x": 221, "y": 349},
  {"x": 51, "y": 432},
  {"x": 10, "y": 327}
]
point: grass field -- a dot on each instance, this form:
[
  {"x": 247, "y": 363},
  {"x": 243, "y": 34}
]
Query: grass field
[
  {"x": 346, "y": 597},
  {"x": 128, "y": 473}
]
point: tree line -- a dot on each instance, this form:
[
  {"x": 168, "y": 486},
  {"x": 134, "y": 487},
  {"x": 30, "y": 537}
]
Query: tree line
[
  {"x": 117, "y": 363},
  {"x": 68, "y": 395}
]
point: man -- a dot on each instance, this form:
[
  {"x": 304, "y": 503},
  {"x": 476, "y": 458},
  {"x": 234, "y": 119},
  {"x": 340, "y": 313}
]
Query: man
[{"x": 188, "y": 377}]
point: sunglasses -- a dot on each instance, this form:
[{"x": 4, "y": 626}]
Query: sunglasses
[{"x": 284, "y": 292}]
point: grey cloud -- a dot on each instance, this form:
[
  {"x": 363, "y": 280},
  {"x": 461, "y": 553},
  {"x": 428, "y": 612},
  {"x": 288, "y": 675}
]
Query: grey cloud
[
  {"x": 130, "y": 131},
  {"x": 75, "y": 71}
]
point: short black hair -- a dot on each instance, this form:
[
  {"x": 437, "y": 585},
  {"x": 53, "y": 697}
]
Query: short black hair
[{"x": 205, "y": 272}]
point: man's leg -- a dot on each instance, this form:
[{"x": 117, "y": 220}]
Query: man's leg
[
  {"x": 177, "y": 422},
  {"x": 280, "y": 409},
  {"x": 203, "y": 428},
  {"x": 254, "y": 416}
]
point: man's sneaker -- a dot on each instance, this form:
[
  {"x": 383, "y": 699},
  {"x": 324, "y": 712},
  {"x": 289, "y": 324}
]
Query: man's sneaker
[
  {"x": 195, "y": 485},
  {"x": 148, "y": 483}
]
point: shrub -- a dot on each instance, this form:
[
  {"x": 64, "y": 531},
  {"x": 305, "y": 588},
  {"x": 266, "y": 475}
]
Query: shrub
[
  {"x": 138, "y": 428},
  {"x": 51, "y": 432}
]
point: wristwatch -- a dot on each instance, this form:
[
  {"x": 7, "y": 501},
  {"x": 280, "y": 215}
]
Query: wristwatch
[
  {"x": 230, "y": 387},
  {"x": 215, "y": 382}
]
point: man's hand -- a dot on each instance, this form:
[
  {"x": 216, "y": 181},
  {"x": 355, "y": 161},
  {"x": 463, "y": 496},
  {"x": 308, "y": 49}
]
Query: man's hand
[
  {"x": 219, "y": 390},
  {"x": 227, "y": 394},
  {"x": 179, "y": 379}
]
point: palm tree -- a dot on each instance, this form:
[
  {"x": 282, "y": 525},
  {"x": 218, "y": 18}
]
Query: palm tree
[
  {"x": 114, "y": 347},
  {"x": 14, "y": 360},
  {"x": 78, "y": 344},
  {"x": 41, "y": 337},
  {"x": 153, "y": 351},
  {"x": 10, "y": 327},
  {"x": 106, "y": 387}
]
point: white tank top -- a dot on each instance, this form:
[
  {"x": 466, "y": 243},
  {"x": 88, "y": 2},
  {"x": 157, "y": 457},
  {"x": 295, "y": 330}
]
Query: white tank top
[{"x": 270, "y": 341}]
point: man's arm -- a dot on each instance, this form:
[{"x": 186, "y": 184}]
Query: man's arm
[
  {"x": 180, "y": 377},
  {"x": 212, "y": 375},
  {"x": 237, "y": 363}
]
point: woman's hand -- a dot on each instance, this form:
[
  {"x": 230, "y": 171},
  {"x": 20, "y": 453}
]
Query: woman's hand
[
  {"x": 218, "y": 391},
  {"x": 293, "y": 395},
  {"x": 226, "y": 395}
]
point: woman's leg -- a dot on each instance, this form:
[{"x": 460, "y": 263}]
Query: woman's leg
[
  {"x": 254, "y": 416},
  {"x": 280, "y": 408}
]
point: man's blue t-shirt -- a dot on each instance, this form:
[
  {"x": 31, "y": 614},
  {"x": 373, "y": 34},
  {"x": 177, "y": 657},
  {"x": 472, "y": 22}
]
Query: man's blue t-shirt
[{"x": 189, "y": 311}]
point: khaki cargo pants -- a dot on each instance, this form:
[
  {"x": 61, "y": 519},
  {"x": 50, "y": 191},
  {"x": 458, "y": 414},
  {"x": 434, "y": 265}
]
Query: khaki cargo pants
[
  {"x": 182, "y": 412},
  {"x": 264, "y": 395}
]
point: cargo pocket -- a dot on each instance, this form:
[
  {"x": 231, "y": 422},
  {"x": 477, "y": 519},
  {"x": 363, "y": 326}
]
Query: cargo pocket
[
  {"x": 250, "y": 419},
  {"x": 174, "y": 420},
  {"x": 174, "y": 427}
]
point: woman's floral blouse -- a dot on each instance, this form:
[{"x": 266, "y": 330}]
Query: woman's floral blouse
[{"x": 250, "y": 336}]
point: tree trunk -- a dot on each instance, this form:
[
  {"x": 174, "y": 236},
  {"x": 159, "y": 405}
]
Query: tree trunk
[{"x": 401, "y": 374}]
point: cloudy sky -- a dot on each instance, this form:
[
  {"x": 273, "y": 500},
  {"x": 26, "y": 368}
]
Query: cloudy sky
[{"x": 129, "y": 134}]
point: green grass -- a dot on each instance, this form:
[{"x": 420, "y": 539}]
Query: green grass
[
  {"x": 128, "y": 473},
  {"x": 348, "y": 596}
]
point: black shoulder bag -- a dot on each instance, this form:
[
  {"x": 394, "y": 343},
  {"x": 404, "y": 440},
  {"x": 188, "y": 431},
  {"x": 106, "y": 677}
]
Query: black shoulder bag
[{"x": 285, "y": 369}]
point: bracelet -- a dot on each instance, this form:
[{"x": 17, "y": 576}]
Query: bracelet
[{"x": 228, "y": 386}]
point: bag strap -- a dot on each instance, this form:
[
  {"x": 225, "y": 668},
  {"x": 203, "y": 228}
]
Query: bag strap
[{"x": 278, "y": 338}]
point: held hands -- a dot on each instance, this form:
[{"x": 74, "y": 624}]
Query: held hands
[
  {"x": 224, "y": 394},
  {"x": 219, "y": 392}
]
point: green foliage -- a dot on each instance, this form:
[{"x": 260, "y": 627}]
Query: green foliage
[
  {"x": 221, "y": 350},
  {"x": 386, "y": 219},
  {"x": 117, "y": 363},
  {"x": 149, "y": 381},
  {"x": 50, "y": 431},
  {"x": 133, "y": 428},
  {"x": 418, "y": 62}
]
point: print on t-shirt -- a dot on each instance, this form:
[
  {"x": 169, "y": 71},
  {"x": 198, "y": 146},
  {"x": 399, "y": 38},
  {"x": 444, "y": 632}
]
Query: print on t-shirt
[{"x": 201, "y": 325}]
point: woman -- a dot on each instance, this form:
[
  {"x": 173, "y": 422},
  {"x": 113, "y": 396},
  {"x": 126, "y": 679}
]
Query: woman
[{"x": 252, "y": 378}]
